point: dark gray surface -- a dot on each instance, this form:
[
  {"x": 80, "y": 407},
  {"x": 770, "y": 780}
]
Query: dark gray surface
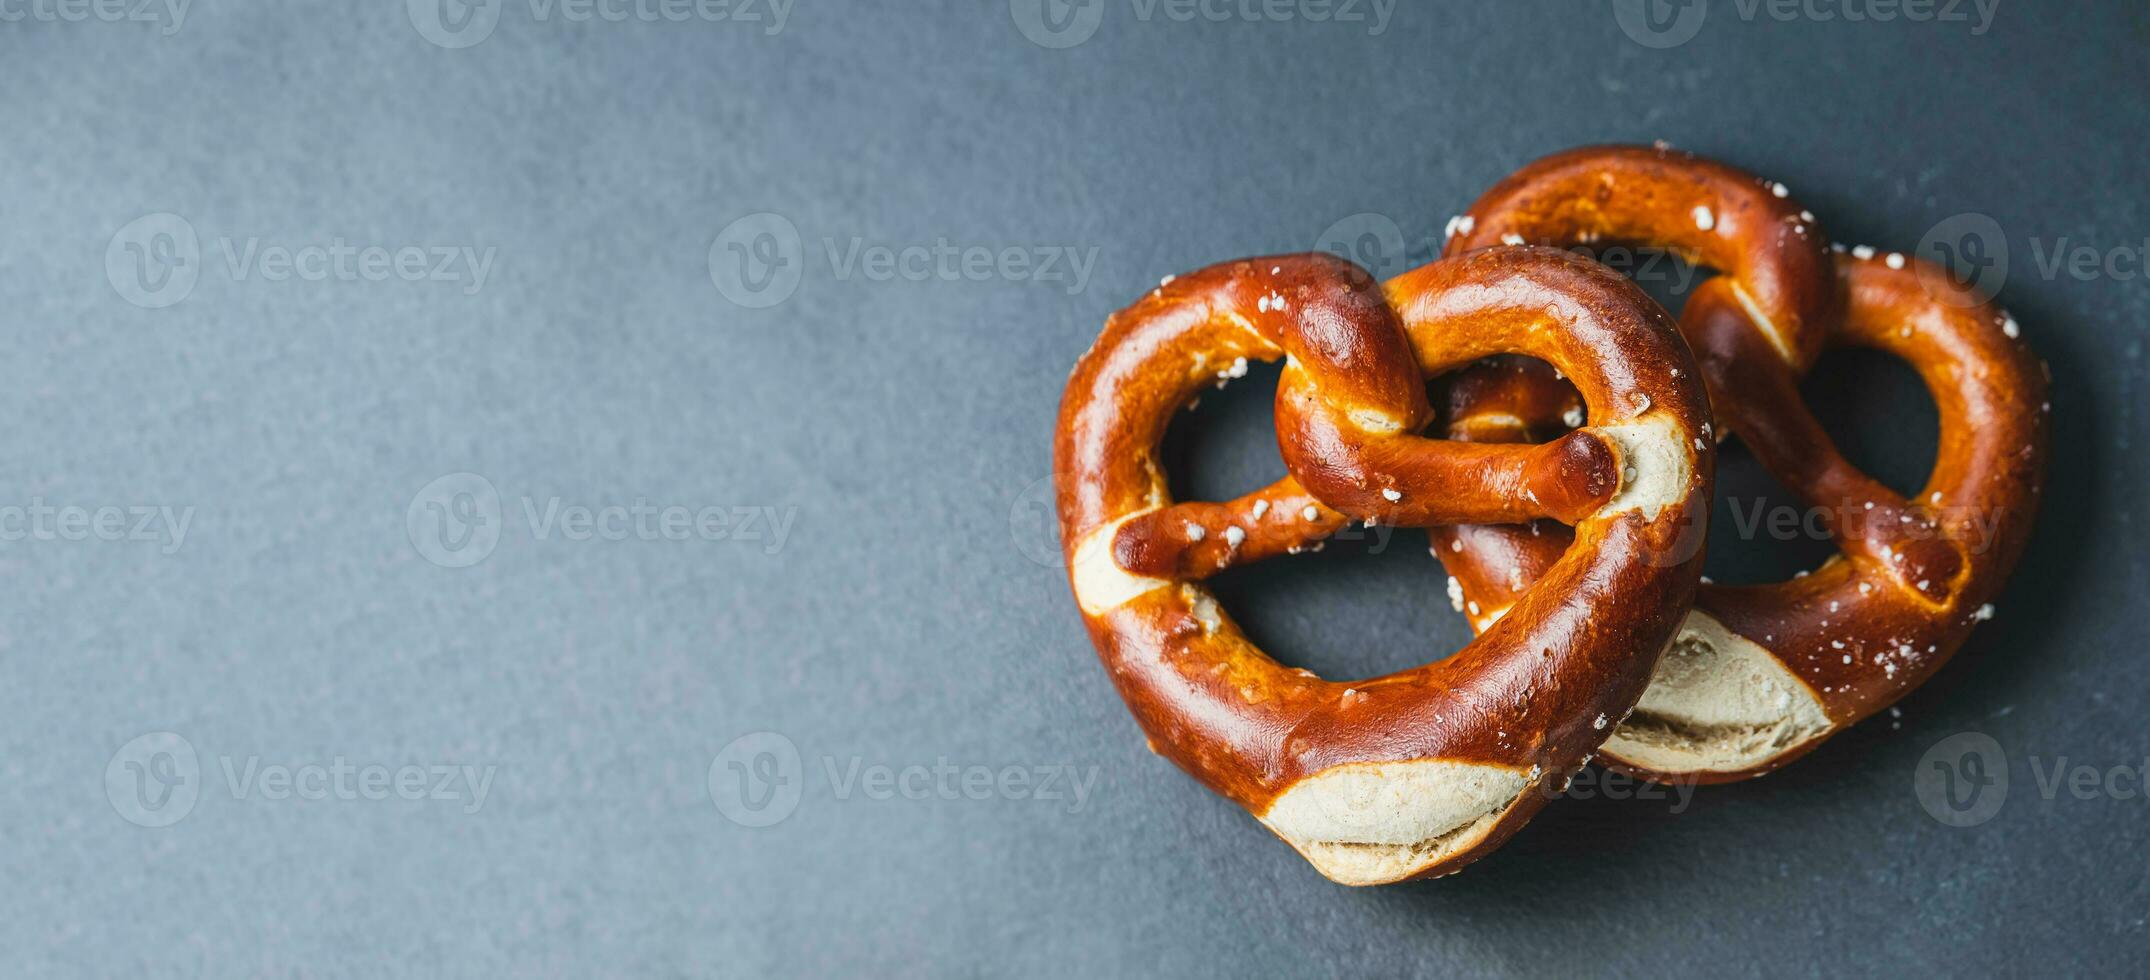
[{"x": 903, "y": 621}]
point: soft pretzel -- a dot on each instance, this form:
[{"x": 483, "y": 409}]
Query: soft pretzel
[
  {"x": 1760, "y": 675},
  {"x": 1418, "y": 772}
]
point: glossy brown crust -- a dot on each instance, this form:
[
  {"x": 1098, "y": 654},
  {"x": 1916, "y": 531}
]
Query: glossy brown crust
[
  {"x": 1770, "y": 252},
  {"x": 1914, "y": 576},
  {"x": 1532, "y": 694}
]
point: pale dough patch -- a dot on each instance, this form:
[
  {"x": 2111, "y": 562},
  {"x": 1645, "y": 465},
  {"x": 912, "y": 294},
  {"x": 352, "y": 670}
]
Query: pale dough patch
[
  {"x": 1656, "y": 464},
  {"x": 1099, "y": 583},
  {"x": 1718, "y": 702},
  {"x": 1367, "y": 823}
]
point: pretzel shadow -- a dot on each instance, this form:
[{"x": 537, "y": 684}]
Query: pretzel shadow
[{"x": 1594, "y": 864}]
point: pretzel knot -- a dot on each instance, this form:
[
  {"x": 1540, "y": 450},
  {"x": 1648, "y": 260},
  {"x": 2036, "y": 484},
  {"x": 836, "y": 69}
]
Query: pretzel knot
[
  {"x": 1418, "y": 772},
  {"x": 1759, "y": 675}
]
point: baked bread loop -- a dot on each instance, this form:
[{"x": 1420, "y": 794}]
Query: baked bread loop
[
  {"x": 1776, "y": 287},
  {"x": 1762, "y": 674},
  {"x": 1419, "y": 772}
]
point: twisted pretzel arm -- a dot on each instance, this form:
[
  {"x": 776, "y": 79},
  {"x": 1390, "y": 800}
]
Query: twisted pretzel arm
[
  {"x": 1870, "y": 626},
  {"x": 1350, "y": 387},
  {"x": 1869, "y": 521},
  {"x": 1503, "y": 400}
]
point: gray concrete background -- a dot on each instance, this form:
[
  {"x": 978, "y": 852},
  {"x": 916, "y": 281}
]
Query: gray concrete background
[{"x": 326, "y": 673}]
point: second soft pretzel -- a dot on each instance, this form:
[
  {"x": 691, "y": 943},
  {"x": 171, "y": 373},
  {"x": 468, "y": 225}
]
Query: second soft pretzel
[{"x": 1762, "y": 674}]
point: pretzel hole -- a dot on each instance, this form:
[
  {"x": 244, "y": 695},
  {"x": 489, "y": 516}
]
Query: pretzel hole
[
  {"x": 1760, "y": 531},
  {"x": 1367, "y": 604},
  {"x": 1504, "y": 394},
  {"x": 1226, "y": 443},
  {"x": 1883, "y": 420},
  {"x": 1664, "y": 275},
  {"x": 1879, "y": 413}
]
